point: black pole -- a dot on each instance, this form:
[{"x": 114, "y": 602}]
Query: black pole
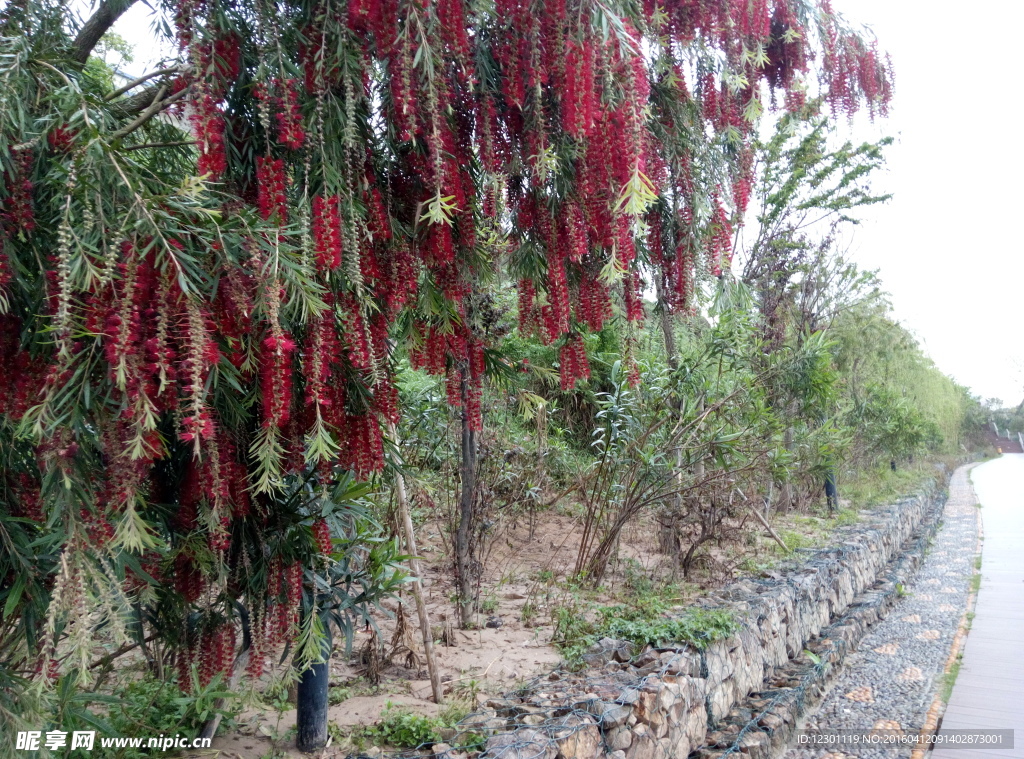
[
  {"x": 311, "y": 717},
  {"x": 831, "y": 493}
]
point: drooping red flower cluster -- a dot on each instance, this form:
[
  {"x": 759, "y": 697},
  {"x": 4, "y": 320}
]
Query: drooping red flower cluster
[
  {"x": 272, "y": 184},
  {"x": 281, "y": 97},
  {"x": 322, "y": 536},
  {"x": 18, "y": 215},
  {"x": 573, "y": 364},
  {"x": 208, "y": 127},
  {"x": 388, "y": 189},
  {"x": 211, "y": 651},
  {"x": 276, "y": 379},
  {"x": 326, "y": 228}
]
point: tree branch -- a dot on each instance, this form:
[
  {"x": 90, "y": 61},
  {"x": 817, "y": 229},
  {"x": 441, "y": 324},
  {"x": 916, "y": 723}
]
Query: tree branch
[
  {"x": 178, "y": 144},
  {"x": 93, "y": 29},
  {"x": 157, "y": 106},
  {"x": 145, "y": 78},
  {"x": 140, "y": 101}
]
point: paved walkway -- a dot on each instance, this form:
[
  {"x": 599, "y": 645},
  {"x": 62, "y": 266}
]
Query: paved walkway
[
  {"x": 890, "y": 682},
  {"x": 989, "y": 692}
]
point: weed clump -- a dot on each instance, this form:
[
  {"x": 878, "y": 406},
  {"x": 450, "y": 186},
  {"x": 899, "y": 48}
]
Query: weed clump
[{"x": 647, "y": 623}]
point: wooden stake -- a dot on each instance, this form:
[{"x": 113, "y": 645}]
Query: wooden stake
[{"x": 417, "y": 587}]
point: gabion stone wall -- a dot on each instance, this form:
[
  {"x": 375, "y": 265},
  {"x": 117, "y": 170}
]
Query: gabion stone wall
[{"x": 666, "y": 703}]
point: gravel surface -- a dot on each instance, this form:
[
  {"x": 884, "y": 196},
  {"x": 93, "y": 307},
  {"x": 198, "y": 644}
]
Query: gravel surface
[{"x": 890, "y": 681}]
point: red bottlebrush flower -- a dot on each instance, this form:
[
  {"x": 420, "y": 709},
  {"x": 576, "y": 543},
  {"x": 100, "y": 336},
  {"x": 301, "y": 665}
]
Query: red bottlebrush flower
[
  {"x": 432, "y": 355},
  {"x": 573, "y": 232},
  {"x": 216, "y": 653},
  {"x": 625, "y": 248},
  {"x": 293, "y": 583},
  {"x": 453, "y": 388},
  {"x": 5, "y": 278},
  {"x": 197, "y": 427},
  {"x": 208, "y": 125},
  {"x": 257, "y": 651},
  {"x": 594, "y": 306},
  {"x": 438, "y": 247},
  {"x": 556, "y": 312},
  {"x": 578, "y": 95},
  {"x": 477, "y": 360},
  {"x": 363, "y": 446},
  {"x": 276, "y": 379},
  {"x": 324, "y": 351},
  {"x": 365, "y": 15},
  {"x": 322, "y": 537},
  {"x": 632, "y": 286},
  {"x": 741, "y": 195},
  {"x": 227, "y": 59},
  {"x": 219, "y": 540},
  {"x": 29, "y": 502},
  {"x": 19, "y": 215},
  {"x": 289, "y": 120},
  {"x": 326, "y": 230},
  {"x": 528, "y": 312},
  {"x": 61, "y": 139},
  {"x": 311, "y": 59},
  {"x": 385, "y": 399},
  {"x": 572, "y": 360},
  {"x": 355, "y": 332},
  {"x": 272, "y": 182},
  {"x": 188, "y": 579},
  {"x": 452, "y": 18},
  {"x": 719, "y": 245},
  {"x": 471, "y": 405},
  {"x": 378, "y": 221},
  {"x": 402, "y": 86}
]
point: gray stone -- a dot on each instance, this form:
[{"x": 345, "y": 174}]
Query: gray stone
[
  {"x": 580, "y": 738},
  {"x": 644, "y": 744},
  {"x": 619, "y": 738},
  {"x": 526, "y": 743},
  {"x": 613, "y": 715}
]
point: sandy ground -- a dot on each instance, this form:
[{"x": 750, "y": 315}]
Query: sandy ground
[
  {"x": 480, "y": 663},
  {"x": 507, "y": 648}
]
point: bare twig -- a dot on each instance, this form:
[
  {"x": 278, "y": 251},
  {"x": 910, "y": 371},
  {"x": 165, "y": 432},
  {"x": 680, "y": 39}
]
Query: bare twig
[
  {"x": 180, "y": 143},
  {"x": 145, "y": 78},
  {"x": 102, "y": 662},
  {"x": 157, "y": 106},
  {"x": 140, "y": 101}
]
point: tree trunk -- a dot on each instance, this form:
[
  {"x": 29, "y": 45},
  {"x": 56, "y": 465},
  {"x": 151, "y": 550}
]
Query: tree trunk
[
  {"x": 97, "y": 25},
  {"x": 787, "y": 497},
  {"x": 668, "y": 535},
  {"x": 464, "y": 536},
  {"x": 417, "y": 582},
  {"x": 311, "y": 714}
]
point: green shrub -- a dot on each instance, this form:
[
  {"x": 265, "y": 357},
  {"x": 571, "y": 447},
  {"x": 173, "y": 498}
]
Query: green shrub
[
  {"x": 400, "y": 728},
  {"x": 643, "y": 623},
  {"x": 151, "y": 707}
]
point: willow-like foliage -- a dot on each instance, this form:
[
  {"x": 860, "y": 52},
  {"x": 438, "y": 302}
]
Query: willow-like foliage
[{"x": 204, "y": 276}]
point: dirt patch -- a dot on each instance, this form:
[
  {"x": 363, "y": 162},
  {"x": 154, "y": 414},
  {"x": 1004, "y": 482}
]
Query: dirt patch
[{"x": 524, "y": 582}]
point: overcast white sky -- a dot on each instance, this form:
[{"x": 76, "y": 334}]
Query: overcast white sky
[
  {"x": 943, "y": 246},
  {"x": 947, "y": 245}
]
